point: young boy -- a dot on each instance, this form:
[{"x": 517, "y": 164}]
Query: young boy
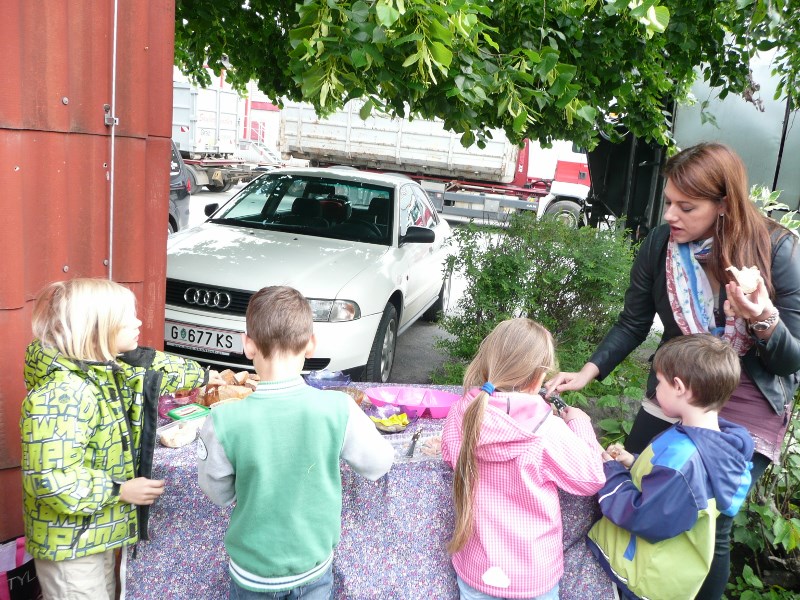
[
  {"x": 656, "y": 536},
  {"x": 276, "y": 455}
]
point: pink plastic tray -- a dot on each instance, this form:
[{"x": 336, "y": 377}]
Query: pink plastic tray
[{"x": 414, "y": 401}]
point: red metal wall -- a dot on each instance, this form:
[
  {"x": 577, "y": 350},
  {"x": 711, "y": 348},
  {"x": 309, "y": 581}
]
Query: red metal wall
[{"x": 55, "y": 169}]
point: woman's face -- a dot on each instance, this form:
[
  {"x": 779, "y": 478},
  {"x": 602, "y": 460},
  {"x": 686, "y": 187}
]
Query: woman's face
[
  {"x": 128, "y": 336},
  {"x": 689, "y": 219}
]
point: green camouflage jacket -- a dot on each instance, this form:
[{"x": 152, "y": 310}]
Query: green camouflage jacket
[{"x": 85, "y": 426}]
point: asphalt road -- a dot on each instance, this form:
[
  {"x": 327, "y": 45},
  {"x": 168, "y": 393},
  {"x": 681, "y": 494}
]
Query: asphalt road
[{"x": 416, "y": 357}]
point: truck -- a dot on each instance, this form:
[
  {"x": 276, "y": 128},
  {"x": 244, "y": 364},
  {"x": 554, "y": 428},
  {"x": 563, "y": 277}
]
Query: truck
[
  {"x": 486, "y": 183},
  {"x": 205, "y": 127}
]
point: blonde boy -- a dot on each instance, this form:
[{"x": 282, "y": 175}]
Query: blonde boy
[
  {"x": 656, "y": 537},
  {"x": 276, "y": 455}
]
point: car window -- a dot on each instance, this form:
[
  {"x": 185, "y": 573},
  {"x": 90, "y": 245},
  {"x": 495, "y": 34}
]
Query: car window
[
  {"x": 429, "y": 217},
  {"x": 416, "y": 209},
  {"x": 358, "y": 211}
]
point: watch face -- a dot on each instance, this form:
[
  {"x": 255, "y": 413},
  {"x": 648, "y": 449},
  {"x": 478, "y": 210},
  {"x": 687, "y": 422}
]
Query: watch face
[{"x": 761, "y": 326}]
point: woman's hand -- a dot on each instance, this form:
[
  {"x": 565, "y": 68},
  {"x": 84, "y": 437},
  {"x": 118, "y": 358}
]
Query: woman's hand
[
  {"x": 141, "y": 491},
  {"x": 569, "y": 382},
  {"x": 755, "y": 306}
]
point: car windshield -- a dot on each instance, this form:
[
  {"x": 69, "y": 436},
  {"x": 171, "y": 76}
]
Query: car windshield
[{"x": 323, "y": 207}]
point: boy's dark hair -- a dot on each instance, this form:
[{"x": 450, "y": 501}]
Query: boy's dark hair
[
  {"x": 708, "y": 366},
  {"x": 279, "y": 320}
]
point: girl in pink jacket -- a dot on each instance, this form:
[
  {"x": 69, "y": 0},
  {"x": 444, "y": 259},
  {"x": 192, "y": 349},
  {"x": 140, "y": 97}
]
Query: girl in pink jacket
[{"x": 510, "y": 454}]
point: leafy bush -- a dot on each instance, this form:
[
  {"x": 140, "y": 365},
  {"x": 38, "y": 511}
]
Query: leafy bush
[{"x": 571, "y": 281}]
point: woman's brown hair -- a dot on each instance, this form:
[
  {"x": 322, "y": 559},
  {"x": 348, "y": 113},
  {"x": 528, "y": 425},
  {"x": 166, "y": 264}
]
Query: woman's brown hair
[
  {"x": 513, "y": 357},
  {"x": 712, "y": 171}
]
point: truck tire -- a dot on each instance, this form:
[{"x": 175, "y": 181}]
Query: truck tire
[
  {"x": 567, "y": 211},
  {"x": 216, "y": 187},
  {"x": 438, "y": 308},
  {"x": 381, "y": 356}
]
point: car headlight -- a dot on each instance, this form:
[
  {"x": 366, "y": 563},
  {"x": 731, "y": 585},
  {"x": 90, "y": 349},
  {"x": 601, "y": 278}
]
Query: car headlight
[{"x": 334, "y": 311}]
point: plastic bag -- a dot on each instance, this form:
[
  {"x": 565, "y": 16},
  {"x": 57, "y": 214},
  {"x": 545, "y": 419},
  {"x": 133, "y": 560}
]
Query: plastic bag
[{"x": 18, "y": 579}]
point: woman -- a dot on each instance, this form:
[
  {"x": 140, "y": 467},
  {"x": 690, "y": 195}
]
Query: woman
[{"x": 680, "y": 273}]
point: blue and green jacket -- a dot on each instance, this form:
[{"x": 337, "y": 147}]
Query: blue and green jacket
[
  {"x": 656, "y": 536},
  {"x": 86, "y": 426}
]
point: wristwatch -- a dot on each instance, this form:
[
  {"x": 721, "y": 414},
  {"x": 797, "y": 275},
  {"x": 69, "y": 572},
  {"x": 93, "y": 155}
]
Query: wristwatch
[
  {"x": 115, "y": 485},
  {"x": 766, "y": 323}
]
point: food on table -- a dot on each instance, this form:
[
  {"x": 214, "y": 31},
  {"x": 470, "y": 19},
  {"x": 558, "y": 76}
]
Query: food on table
[
  {"x": 746, "y": 277},
  {"x": 355, "y": 393},
  {"x": 227, "y": 385},
  {"x": 431, "y": 446},
  {"x": 180, "y": 434}
]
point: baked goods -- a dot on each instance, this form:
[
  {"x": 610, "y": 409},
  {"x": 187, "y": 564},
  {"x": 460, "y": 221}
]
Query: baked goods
[
  {"x": 355, "y": 393},
  {"x": 180, "y": 434},
  {"x": 746, "y": 277}
]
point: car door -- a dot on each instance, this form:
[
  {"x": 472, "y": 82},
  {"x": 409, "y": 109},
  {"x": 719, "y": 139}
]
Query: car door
[{"x": 420, "y": 273}]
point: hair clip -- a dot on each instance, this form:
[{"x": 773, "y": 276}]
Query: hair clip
[{"x": 488, "y": 388}]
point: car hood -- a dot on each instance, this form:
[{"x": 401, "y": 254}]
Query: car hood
[{"x": 249, "y": 259}]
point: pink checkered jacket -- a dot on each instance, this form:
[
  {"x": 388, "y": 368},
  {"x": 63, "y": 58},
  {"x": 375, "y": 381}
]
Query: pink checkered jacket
[{"x": 525, "y": 453}]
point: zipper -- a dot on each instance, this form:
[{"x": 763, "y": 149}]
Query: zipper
[
  {"x": 127, "y": 443},
  {"x": 81, "y": 531}
]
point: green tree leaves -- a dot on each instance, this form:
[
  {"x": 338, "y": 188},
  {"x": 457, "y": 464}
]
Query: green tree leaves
[{"x": 567, "y": 69}]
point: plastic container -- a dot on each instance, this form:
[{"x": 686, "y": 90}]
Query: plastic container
[
  {"x": 169, "y": 401},
  {"x": 326, "y": 379},
  {"x": 190, "y": 411},
  {"x": 414, "y": 400}
]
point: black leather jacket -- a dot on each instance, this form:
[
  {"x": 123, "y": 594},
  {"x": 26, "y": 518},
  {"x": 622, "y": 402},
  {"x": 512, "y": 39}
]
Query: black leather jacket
[{"x": 772, "y": 364}]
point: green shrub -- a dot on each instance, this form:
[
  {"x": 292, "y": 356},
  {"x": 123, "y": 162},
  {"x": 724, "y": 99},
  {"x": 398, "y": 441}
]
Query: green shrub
[{"x": 571, "y": 281}]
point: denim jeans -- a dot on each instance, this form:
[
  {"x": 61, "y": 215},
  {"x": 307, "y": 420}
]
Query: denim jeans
[
  {"x": 319, "y": 589},
  {"x": 470, "y": 593}
]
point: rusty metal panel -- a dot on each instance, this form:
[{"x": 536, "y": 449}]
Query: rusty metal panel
[
  {"x": 55, "y": 167},
  {"x": 10, "y": 504}
]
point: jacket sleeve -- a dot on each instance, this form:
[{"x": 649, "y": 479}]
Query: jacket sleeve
[
  {"x": 179, "y": 373},
  {"x": 639, "y": 309},
  {"x": 57, "y": 425},
  {"x": 451, "y": 439},
  {"x": 215, "y": 473},
  {"x": 662, "y": 509},
  {"x": 780, "y": 354},
  {"x": 364, "y": 448},
  {"x": 571, "y": 457}
]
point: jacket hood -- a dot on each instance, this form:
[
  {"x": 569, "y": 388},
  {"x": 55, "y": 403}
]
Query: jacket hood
[
  {"x": 41, "y": 361},
  {"x": 510, "y": 422},
  {"x": 726, "y": 455}
]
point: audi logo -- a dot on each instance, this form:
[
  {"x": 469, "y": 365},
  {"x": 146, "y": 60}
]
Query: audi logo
[{"x": 209, "y": 298}]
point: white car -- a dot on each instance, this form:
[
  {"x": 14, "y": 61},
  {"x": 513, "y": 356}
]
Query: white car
[{"x": 368, "y": 250}]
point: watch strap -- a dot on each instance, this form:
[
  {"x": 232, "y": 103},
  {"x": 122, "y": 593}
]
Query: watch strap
[{"x": 766, "y": 323}]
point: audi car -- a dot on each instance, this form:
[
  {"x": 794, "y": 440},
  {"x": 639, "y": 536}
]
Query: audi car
[{"x": 368, "y": 251}]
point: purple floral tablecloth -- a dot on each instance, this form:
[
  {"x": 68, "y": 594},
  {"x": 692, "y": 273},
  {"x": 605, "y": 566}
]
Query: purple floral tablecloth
[{"x": 393, "y": 539}]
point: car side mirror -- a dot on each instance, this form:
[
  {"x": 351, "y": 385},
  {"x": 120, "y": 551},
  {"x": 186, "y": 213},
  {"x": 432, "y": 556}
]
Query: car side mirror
[
  {"x": 418, "y": 235},
  {"x": 210, "y": 209}
]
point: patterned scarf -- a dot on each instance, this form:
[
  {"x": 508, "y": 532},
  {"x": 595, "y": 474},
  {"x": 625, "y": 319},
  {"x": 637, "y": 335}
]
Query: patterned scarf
[{"x": 692, "y": 299}]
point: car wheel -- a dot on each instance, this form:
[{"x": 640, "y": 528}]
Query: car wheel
[
  {"x": 171, "y": 227},
  {"x": 438, "y": 308},
  {"x": 566, "y": 211},
  {"x": 381, "y": 356}
]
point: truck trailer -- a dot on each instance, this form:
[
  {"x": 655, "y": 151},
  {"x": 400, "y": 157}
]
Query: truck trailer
[
  {"x": 464, "y": 183},
  {"x": 205, "y": 127}
]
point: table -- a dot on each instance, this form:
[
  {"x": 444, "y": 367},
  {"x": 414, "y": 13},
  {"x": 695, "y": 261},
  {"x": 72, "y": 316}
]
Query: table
[{"x": 393, "y": 539}]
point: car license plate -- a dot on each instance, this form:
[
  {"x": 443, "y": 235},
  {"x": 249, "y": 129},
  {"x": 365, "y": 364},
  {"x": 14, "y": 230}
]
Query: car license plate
[{"x": 218, "y": 341}]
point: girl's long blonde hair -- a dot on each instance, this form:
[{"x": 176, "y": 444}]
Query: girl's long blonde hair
[
  {"x": 82, "y": 317},
  {"x": 513, "y": 357}
]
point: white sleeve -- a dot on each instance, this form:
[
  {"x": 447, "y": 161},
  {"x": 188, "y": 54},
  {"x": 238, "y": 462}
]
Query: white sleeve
[
  {"x": 215, "y": 473},
  {"x": 364, "y": 448}
]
